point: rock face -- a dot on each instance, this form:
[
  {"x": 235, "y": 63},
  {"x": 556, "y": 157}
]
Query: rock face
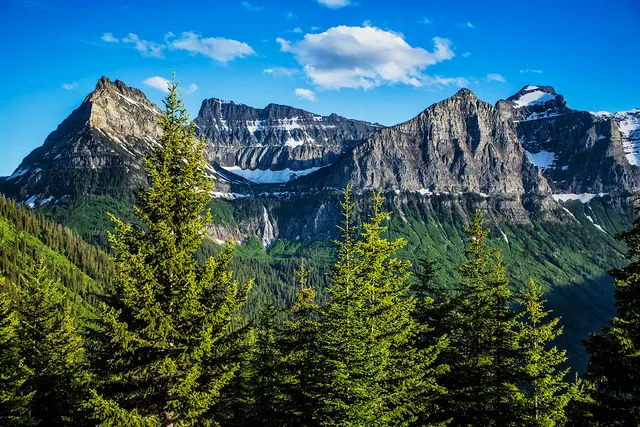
[
  {"x": 277, "y": 137},
  {"x": 577, "y": 151},
  {"x": 459, "y": 145},
  {"x": 96, "y": 150}
]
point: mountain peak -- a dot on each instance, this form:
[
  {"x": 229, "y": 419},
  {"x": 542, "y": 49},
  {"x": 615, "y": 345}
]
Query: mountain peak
[
  {"x": 465, "y": 93},
  {"x": 531, "y": 95}
]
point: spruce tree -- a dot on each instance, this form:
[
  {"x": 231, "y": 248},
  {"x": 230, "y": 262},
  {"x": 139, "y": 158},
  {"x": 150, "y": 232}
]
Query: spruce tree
[
  {"x": 545, "y": 391},
  {"x": 373, "y": 374},
  {"x": 614, "y": 364},
  {"x": 163, "y": 344},
  {"x": 14, "y": 400},
  {"x": 350, "y": 372},
  {"x": 484, "y": 352},
  {"x": 297, "y": 341},
  {"x": 52, "y": 350}
]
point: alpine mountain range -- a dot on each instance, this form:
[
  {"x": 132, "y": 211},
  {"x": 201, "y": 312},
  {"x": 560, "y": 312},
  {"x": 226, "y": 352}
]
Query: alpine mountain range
[{"x": 557, "y": 184}]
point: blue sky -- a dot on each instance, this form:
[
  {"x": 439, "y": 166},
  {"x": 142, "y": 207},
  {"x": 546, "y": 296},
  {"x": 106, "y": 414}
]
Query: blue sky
[{"x": 382, "y": 61}]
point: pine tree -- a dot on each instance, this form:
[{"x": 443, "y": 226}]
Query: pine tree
[
  {"x": 579, "y": 409},
  {"x": 267, "y": 400},
  {"x": 163, "y": 343},
  {"x": 52, "y": 350},
  {"x": 371, "y": 371},
  {"x": 14, "y": 401},
  {"x": 484, "y": 352},
  {"x": 298, "y": 337},
  {"x": 545, "y": 391},
  {"x": 614, "y": 364}
]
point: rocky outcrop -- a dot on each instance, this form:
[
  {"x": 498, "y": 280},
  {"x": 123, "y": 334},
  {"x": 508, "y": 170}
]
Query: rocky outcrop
[
  {"x": 459, "y": 145},
  {"x": 276, "y": 137},
  {"x": 577, "y": 151}
]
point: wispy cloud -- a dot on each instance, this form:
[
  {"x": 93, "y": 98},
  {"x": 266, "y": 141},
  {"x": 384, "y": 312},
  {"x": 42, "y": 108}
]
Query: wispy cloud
[
  {"x": 495, "y": 77},
  {"x": 145, "y": 47},
  {"x": 307, "y": 94},
  {"x": 366, "y": 57},
  {"x": 158, "y": 82},
  {"x": 217, "y": 48},
  {"x": 251, "y": 7},
  {"x": 191, "y": 89},
  {"x": 296, "y": 30},
  {"x": 335, "y": 4},
  {"x": 466, "y": 24},
  {"x": 528, "y": 70},
  {"x": 366, "y": 23},
  {"x": 32, "y": 4},
  {"x": 466, "y": 54},
  {"x": 291, "y": 16},
  {"x": 425, "y": 21},
  {"x": 162, "y": 84},
  {"x": 109, "y": 38},
  {"x": 69, "y": 86},
  {"x": 281, "y": 71}
]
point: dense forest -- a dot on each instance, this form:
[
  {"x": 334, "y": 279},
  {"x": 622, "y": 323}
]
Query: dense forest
[{"x": 162, "y": 330}]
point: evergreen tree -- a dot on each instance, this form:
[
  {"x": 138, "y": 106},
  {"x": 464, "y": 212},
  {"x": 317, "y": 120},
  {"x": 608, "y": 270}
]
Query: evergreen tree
[
  {"x": 14, "y": 402},
  {"x": 579, "y": 409},
  {"x": 163, "y": 346},
  {"x": 350, "y": 372},
  {"x": 484, "y": 352},
  {"x": 374, "y": 375},
  {"x": 52, "y": 350},
  {"x": 298, "y": 347},
  {"x": 545, "y": 391},
  {"x": 267, "y": 408},
  {"x": 614, "y": 364}
]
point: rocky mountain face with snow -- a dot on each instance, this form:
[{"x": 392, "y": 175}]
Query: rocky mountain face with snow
[
  {"x": 577, "y": 151},
  {"x": 96, "y": 150},
  {"x": 281, "y": 140},
  {"x": 457, "y": 146}
]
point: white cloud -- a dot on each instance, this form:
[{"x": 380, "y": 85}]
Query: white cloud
[
  {"x": 281, "y": 71},
  {"x": 444, "y": 81},
  {"x": 335, "y": 4},
  {"x": 425, "y": 21},
  {"x": 291, "y": 15},
  {"x": 158, "y": 82},
  {"x": 218, "y": 48},
  {"x": 466, "y": 25},
  {"x": 366, "y": 23},
  {"x": 145, "y": 47},
  {"x": 109, "y": 38},
  {"x": 307, "y": 94},
  {"x": 191, "y": 89},
  {"x": 251, "y": 7},
  {"x": 296, "y": 30},
  {"x": 466, "y": 54},
  {"x": 364, "y": 57},
  {"x": 495, "y": 77},
  {"x": 531, "y": 71},
  {"x": 69, "y": 86}
]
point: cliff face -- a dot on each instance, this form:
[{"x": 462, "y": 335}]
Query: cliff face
[
  {"x": 276, "y": 137},
  {"x": 577, "y": 151},
  {"x": 459, "y": 145}
]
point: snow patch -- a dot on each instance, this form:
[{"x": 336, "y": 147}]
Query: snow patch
[
  {"x": 260, "y": 176},
  {"x": 533, "y": 98},
  {"x": 18, "y": 173},
  {"x": 542, "y": 159},
  {"x": 31, "y": 201},
  {"x": 293, "y": 143},
  {"x": 584, "y": 197}
]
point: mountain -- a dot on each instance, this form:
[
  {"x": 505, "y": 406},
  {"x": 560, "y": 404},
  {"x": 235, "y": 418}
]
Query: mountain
[
  {"x": 277, "y": 142},
  {"x": 577, "y": 151},
  {"x": 456, "y": 146},
  {"x": 526, "y": 162}
]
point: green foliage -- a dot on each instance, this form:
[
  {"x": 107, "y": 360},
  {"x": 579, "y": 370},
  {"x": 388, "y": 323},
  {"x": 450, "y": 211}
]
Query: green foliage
[
  {"x": 545, "y": 391},
  {"x": 370, "y": 371},
  {"x": 52, "y": 350},
  {"x": 484, "y": 349},
  {"x": 162, "y": 345},
  {"x": 14, "y": 400},
  {"x": 613, "y": 366}
]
